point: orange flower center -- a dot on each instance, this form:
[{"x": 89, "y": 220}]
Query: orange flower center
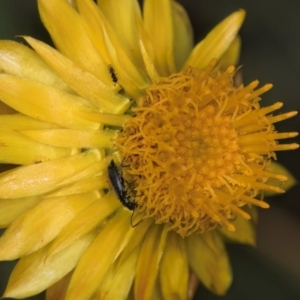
[{"x": 187, "y": 153}]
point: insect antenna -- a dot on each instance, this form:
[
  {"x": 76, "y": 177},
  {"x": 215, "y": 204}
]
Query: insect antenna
[{"x": 131, "y": 219}]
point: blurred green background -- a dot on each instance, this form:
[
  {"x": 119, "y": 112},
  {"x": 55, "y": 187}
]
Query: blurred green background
[{"x": 271, "y": 54}]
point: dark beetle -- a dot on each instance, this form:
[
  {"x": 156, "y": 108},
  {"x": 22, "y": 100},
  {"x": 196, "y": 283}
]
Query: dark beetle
[
  {"x": 117, "y": 183},
  {"x": 113, "y": 74}
]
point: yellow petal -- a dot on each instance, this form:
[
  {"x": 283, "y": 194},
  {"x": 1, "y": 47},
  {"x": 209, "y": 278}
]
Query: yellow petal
[
  {"x": 69, "y": 35},
  {"x": 208, "y": 259},
  {"x": 84, "y": 222},
  {"x": 84, "y": 83},
  {"x": 136, "y": 239},
  {"x": 183, "y": 42},
  {"x": 152, "y": 72},
  {"x": 132, "y": 78},
  {"x": 19, "y": 60},
  {"x": 158, "y": 16},
  {"x": 279, "y": 169},
  {"x": 72, "y": 138},
  {"x": 19, "y": 121},
  {"x": 91, "y": 270},
  {"x": 148, "y": 261},
  {"x": 174, "y": 272},
  {"x": 83, "y": 186},
  {"x": 103, "y": 118},
  {"x": 44, "y": 177},
  {"x": 11, "y": 209},
  {"x": 89, "y": 172},
  {"x": 118, "y": 280},
  {"x": 18, "y": 149},
  {"x": 33, "y": 273},
  {"x": 41, "y": 224},
  {"x": 244, "y": 233},
  {"x": 44, "y": 103},
  {"x": 91, "y": 20},
  {"x": 216, "y": 42},
  {"x": 122, "y": 16},
  {"x": 231, "y": 55}
]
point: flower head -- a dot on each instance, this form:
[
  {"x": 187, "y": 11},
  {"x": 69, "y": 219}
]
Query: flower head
[
  {"x": 136, "y": 153},
  {"x": 198, "y": 146}
]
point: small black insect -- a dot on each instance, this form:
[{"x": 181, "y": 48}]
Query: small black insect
[
  {"x": 117, "y": 183},
  {"x": 113, "y": 74}
]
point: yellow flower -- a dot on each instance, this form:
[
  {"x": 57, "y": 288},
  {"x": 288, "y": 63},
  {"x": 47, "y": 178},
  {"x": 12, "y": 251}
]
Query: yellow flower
[{"x": 127, "y": 91}]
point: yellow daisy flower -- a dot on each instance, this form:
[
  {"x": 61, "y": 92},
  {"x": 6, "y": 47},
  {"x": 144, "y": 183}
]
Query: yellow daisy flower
[{"x": 136, "y": 156}]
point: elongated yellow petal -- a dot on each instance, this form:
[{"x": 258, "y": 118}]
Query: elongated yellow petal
[
  {"x": 89, "y": 172},
  {"x": 231, "y": 55},
  {"x": 84, "y": 222},
  {"x": 183, "y": 41},
  {"x": 18, "y": 149},
  {"x": 158, "y": 15},
  {"x": 103, "y": 118},
  {"x": 93, "y": 26},
  {"x": 91, "y": 270},
  {"x": 84, "y": 83},
  {"x": 44, "y": 103},
  {"x": 244, "y": 233},
  {"x": 135, "y": 240},
  {"x": 83, "y": 186},
  {"x": 11, "y": 209},
  {"x": 122, "y": 16},
  {"x": 174, "y": 272},
  {"x": 19, "y": 60},
  {"x": 132, "y": 78},
  {"x": 73, "y": 138},
  {"x": 148, "y": 261},
  {"x": 44, "y": 177},
  {"x": 22, "y": 122},
  {"x": 216, "y": 42},
  {"x": 33, "y": 273},
  {"x": 37, "y": 227},
  {"x": 152, "y": 72},
  {"x": 69, "y": 35},
  {"x": 116, "y": 284},
  {"x": 208, "y": 259}
]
